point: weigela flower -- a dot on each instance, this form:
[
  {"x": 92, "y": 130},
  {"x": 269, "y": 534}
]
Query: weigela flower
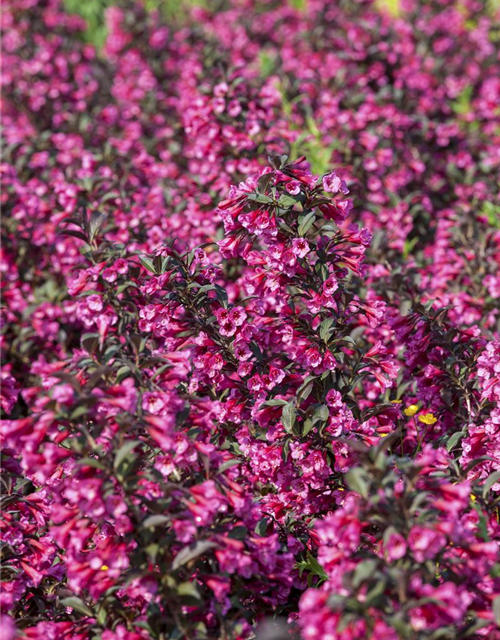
[{"x": 334, "y": 184}]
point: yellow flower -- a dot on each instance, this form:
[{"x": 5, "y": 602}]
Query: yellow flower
[
  {"x": 411, "y": 410},
  {"x": 396, "y": 401},
  {"x": 104, "y": 567},
  {"x": 472, "y": 497},
  {"x": 427, "y": 418}
]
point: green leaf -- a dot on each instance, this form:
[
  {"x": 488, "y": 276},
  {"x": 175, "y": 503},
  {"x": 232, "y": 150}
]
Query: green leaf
[
  {"x": 90, "y": 342},
  {"x": 305, "y": 389},
  {"x": 314, "y": 567},
  {"x": 475, "y": 463},
  {"x": 321, "y": 414},
  {"x": 238, "y": 533},
  {"x": 375, "y": 592},
  {"x": 147, "y": 263},
  {"x": 482, "y": 524},
  {"x": 154, "y": 521},
  {"x": 123, "y": 452},
  {"x": 363, "y": 571},
  {"x": 286, "y": 201},
  {"x": 191, "y": 553},
  {"x": 306, "y": 222},
  {"x": 189, "y": 594},
  {"x": 307, "y": 427},
  {"x": 496, "y": 609},
  {"x": 68, "y": 378},
  {"x": 454, "y": 439},
  {"x": 123, "y": 372},
  {"x": 97, "y": 219},
  {"x": 254, "y": 348},
  {"x": 102, "y": 615},
  {"x": 74, "y": 234},
  {"x": 358, "y": 481},
  {"x": 152, "y": 550},
  {"x": 78, "y": 412},
  {"x": 299, "y": 5},
  {"x": 205, "y": 288},
  {"x": 492, "y": 212},
  {"x": 408, "y": 246},
  {"x": 260, "y": 198},
  {"x": 228, "y": 464},
  {"x": 274, "y": 403},
  {"x": 91, "y": 462},
  {"x": 326, "y": 330},
  {"x": 221, "y": 295},
  {"x": 491, "y": 480},
  {"x": 472, "y": 630},
  {"x": 462, "y": 104},
  {"x": 265, "y": 180},
  {"x": 261, "y": 527},
  {"x": 78, "y": 605},
  {"x": 160, "y": 264},
  {"x": 289, "y": 416}
]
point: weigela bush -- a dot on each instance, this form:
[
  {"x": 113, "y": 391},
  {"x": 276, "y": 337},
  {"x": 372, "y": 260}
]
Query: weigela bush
[{"x": 238, "y": 382}]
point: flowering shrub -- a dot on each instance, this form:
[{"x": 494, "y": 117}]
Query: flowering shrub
[{"x": 238, "y": 382}]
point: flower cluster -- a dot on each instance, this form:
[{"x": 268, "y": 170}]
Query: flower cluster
[{"x": 250, "y": 323}]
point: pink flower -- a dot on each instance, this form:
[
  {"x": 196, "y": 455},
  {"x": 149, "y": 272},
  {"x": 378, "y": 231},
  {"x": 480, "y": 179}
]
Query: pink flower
[
  {"x": 334, "y": 184},
  {"x": 394, "y": 546},
  {"x": 293, "y": 187},
  {"x": 313, "y": 358},
  {"x": 425, "y": 543},
  {"x": 8, "y": 627}
]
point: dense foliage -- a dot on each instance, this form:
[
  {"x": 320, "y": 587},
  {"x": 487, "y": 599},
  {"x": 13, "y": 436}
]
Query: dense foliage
[{"x": 251, "y": 323}]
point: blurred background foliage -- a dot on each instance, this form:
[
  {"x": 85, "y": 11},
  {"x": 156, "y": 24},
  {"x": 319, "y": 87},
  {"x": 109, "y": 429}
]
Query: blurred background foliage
[
  {"x": 309, "y": 142},
  {"x": 93, "y": 11}
]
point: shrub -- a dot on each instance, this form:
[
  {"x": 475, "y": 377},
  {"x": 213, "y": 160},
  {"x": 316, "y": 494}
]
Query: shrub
[{"x": 235, "y": 386}]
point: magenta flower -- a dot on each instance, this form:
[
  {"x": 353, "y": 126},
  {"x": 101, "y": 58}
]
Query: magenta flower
[
  {"x": 425, "y": 543},
  {"x": 334, "y": 184}
]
